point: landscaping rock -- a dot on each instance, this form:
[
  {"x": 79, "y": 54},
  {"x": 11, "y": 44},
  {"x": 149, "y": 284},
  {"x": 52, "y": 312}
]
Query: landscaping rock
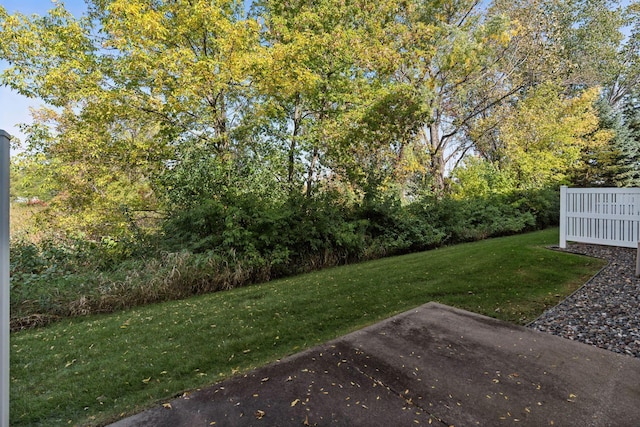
[{"x": 605, "y": 312}]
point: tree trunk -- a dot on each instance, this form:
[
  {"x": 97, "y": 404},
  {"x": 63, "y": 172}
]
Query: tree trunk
[
  {"x": 220, "y": 121},
  {"x": 312, "y": 168},
  {"x": 437, "y": 163},
  {"x": 297, "y": 122}
]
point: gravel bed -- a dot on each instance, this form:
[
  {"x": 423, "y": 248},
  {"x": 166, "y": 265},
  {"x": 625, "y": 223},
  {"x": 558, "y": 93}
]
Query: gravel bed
[{"x": 605, "y": 312}]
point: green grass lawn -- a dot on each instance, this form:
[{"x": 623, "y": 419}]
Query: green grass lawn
[{"x": 92, "y": 370}]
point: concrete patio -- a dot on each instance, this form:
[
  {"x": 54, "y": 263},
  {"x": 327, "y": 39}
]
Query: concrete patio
[{"x": 434, "y": 365}]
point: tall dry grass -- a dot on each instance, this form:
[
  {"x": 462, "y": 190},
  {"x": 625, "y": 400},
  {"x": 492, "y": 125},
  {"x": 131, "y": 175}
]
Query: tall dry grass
[{"x": 22, "y": 220}]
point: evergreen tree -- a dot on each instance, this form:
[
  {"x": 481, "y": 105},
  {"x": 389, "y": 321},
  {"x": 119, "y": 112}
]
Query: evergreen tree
[
  {"x": 607, "y": 166},
  {"x": 631, "y": 145}
]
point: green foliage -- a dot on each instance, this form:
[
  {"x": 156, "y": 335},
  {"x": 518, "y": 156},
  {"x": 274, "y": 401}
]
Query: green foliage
[
  {"x": 289, "y": 236},
  {"x": 189, "y": 137},
  {"x": 475, "y": 219},
  {"x": 549, "y": 136},
  {"x": 477, "y": 178},
  {"x": 612, "y": 164},
  {"x": 242, "y": 239},
  {"x": 628, "y": 141},
  {"x": 50, "y": 274},
  {"x": 160, "y": 106},
  {"x": 542, "y": 204},
  {"x": 28, "y": 179},
  {"x": 396, "y": 229}
]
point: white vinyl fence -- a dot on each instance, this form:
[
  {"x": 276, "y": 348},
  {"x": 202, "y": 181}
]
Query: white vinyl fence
[{"x": 604, "y": 216}]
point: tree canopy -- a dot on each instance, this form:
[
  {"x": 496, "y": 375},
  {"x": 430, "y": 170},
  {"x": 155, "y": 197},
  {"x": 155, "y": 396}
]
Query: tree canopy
[{"x": 157, "y": 106}]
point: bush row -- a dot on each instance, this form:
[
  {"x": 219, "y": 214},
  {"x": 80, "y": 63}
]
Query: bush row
[
  {"x": 313, "y": 232},
  {"x": 238, "y": 240}
]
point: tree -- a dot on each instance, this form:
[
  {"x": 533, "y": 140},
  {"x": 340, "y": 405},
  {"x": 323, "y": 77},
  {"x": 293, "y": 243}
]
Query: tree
[
  {"x": 138, "y": 83},
  {"x": 626, "y": 75},
  {"x": 458, "y": 60},
  {"x": 318, "y": 77},
  {"x": 545, "y": 139},
  {"x": 194, "y": 100},
  {"x": 612, "y": 164},
  {"x": 629, "y": 141},
  {"x": 575, "y": 46},
  {"x": 480, "y": 178}
]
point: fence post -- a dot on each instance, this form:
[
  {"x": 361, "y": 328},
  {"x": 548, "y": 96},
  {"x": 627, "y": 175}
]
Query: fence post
[
  {"x": 563, "y": 216},
  {"x": 4, "y": 279},
  {"x": 638, "y": 261}
]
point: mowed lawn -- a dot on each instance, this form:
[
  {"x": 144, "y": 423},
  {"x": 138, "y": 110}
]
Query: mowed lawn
[{"x": 92, "y": 370}]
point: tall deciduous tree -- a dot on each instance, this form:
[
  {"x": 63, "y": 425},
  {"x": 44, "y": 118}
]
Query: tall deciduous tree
[
  {"x": 546, "y": 138},
  {"x": 135, "y": 80},
  {"x": 457, "y": 58},
  {"x": 318, "y": 77}
]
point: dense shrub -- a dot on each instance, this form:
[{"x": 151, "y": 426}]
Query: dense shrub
[
  {"x": 543, "y": 205},
  {"x": 474, "y": 219},
  {"x": 237, "y": 240},
  {"x": 395, "y": 229},
  {"x": 287, "y": 236}
]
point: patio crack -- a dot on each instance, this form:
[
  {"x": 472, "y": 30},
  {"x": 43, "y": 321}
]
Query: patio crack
[{"x": 402, "y": 395}]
